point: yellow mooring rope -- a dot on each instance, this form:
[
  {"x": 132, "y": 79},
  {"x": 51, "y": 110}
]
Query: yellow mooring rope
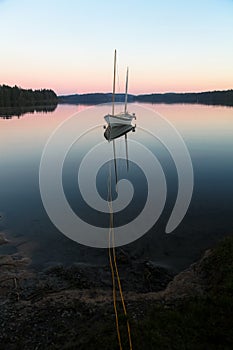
[{"x": 112, "y": 252}]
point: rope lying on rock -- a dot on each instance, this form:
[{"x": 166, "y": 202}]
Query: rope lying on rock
[{"x": 115, "y": 273}]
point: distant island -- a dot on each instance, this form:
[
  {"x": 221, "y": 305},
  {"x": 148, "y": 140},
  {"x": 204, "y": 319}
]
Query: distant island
[
  {"x": 222, "y": 98},
  {"x": 17, "y": 101}
]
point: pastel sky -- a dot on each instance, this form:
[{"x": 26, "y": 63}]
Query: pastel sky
[{"x": 68, "y": 45}]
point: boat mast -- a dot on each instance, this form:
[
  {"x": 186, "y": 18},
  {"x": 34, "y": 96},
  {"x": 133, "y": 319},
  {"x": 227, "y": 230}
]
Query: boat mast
[
  {"x": 126, "y": 89},
  {"x": 113, "y": 101},
  {"x": 126, "y": 98},
  {"x": 114, "y": 84}
]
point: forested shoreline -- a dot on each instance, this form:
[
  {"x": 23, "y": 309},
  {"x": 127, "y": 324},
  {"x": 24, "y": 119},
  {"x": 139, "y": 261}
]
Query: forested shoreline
[
  {"x": 18, "y": 97},
  {"x": 221, "y": 98}
]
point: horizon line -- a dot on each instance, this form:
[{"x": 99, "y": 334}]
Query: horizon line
[{"x": 148, "y": 93}]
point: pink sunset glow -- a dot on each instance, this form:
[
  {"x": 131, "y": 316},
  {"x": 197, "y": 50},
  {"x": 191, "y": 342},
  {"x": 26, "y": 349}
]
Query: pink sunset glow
[{"x": 167, "y": 48}]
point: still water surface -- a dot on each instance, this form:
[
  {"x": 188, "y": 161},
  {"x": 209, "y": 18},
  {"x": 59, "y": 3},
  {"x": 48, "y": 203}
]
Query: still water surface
[{"x": 208, "y": 134}]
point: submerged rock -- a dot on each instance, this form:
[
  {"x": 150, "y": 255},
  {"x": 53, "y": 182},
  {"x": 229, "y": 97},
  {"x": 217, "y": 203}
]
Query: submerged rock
[{"x": 3, "y": 239}]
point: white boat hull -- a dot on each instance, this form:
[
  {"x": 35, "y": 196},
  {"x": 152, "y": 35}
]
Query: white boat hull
[{"x": 119, "y": 119}]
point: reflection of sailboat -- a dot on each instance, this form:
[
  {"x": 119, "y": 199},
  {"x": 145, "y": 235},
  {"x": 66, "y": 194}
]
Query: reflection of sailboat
[
  {"x": 124, "y": 118},
  {"x": 113, "y": 132}
]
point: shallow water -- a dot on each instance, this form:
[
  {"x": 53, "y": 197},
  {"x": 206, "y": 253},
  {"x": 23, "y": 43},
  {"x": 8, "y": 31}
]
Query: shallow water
[{"x": 208, "y": 135}]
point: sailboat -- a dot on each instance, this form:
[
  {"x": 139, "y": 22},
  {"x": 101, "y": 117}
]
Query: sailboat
[
  {"x": 119, "y": 124},
  {"x": 124, "y": 118}
]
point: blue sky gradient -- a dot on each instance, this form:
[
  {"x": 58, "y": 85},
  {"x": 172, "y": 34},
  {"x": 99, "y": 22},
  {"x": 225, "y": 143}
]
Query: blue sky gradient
[{"x": 169, "y": 45}]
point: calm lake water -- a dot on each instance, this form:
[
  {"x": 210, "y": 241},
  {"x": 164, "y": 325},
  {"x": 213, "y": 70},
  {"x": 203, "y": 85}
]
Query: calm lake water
[{"x": 208, "y": 134}]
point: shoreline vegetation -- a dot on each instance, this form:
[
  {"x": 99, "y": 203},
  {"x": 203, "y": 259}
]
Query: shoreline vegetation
[
  {"x": 221, "y": 98},
  {"x": 18, "y": 97},
  {"x": 15, "y": 101}
]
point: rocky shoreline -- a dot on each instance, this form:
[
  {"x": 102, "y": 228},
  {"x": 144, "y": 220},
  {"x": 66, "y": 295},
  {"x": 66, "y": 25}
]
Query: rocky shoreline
[{"x": 69, "y": 307}]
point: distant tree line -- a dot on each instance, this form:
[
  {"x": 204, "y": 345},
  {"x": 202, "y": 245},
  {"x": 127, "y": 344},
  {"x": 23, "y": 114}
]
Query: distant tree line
[
  {"x": 224, "y": 98},
  {"x": 17, "y": 97},
  {"x": 93, "y": 98}
]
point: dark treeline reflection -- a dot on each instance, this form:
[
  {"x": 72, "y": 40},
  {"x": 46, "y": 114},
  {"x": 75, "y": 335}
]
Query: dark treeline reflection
[
  {"x": 15, "y": 101},
  {"x": 10, "y": 112}
]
